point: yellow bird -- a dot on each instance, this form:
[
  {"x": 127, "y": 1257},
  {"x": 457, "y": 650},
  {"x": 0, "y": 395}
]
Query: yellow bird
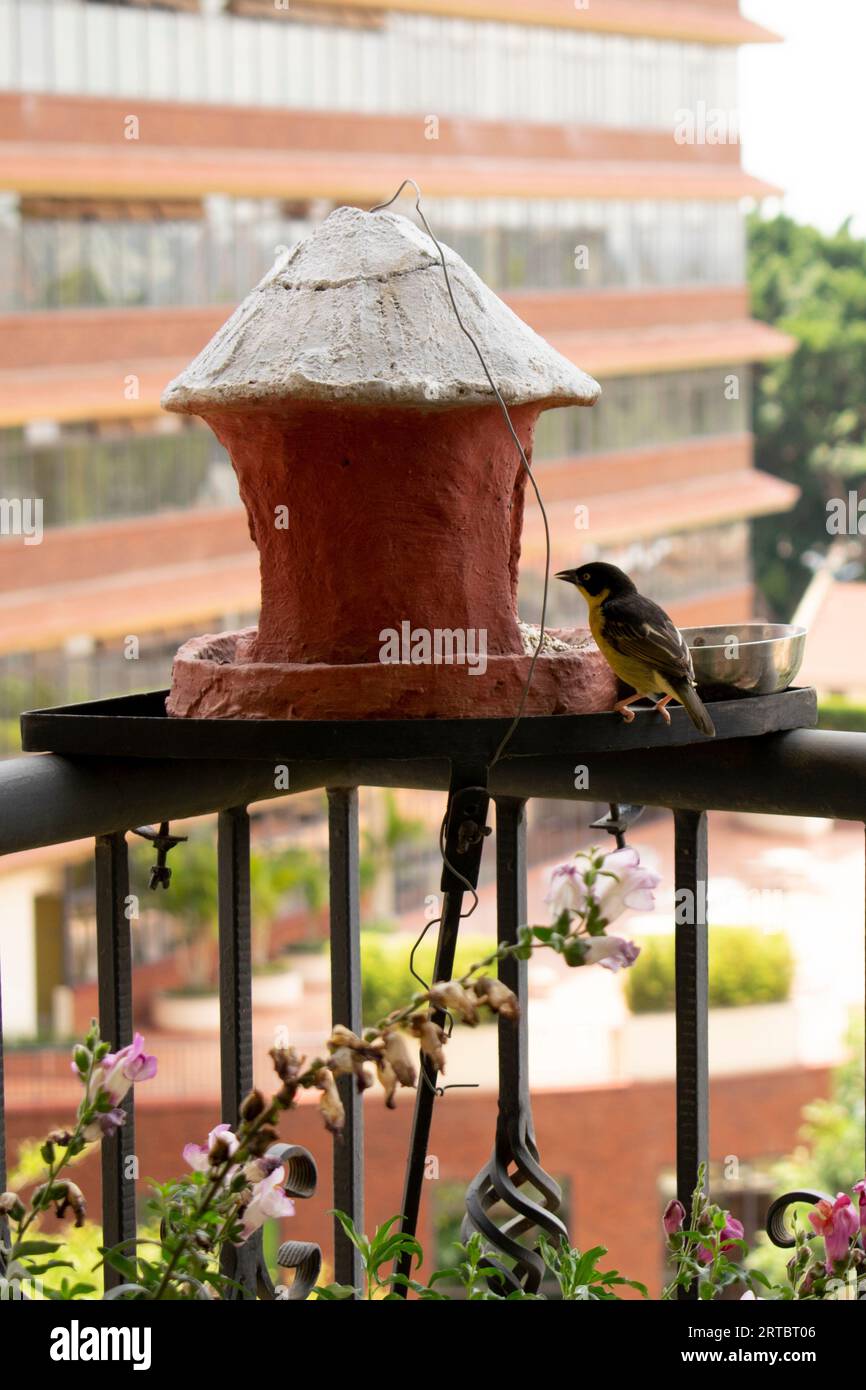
[{"x": 639, "y": 643}]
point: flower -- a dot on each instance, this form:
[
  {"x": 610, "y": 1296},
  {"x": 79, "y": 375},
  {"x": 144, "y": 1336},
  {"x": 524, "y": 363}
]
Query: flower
[
  {"x": 432, "y": 1039},
  {"x": 496, "y": 996},
  {"x": 451, "y": 997},
  {"x": 837, "y": 1222},
  {"x": 399, "y": 1057},
  {"x": 115, "y": 1074},
  {"x": 268, "y": 1199},
  {"x": 613, "y": 952},
  {"x": 330, "y": 1106},
  {"x": 394, "y": 1065},
  {"x": 105, "y": 1125},
  {"x": 630, "y": 888},
  {"x": 568, "y": 891},
  {"x": 221, "y": 1142},
  {"x": 675, "y": 1215},
  {"x": 732, "y": 1230}
]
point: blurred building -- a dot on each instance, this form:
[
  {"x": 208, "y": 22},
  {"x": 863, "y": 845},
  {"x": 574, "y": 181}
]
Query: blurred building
[{"x": 154, "y": 156}]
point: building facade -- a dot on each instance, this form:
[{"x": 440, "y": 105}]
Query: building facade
[{"x": 154, "y": 157}]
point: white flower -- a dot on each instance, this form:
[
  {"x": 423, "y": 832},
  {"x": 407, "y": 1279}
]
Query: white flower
[
  {"x": 567, "y": 892},
  {"x": 631, "y": 888},
  {"x": 198, "y": 1156},
  {"x": 268, "y": 1200}
]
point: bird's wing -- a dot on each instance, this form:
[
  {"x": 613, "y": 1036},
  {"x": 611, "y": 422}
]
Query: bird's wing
[{"x": 639, "y": 629}]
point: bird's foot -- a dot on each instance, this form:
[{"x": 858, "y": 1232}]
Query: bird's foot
[
  {"x": 662, "y": 709},
  {"x": 622, "y": 707}
]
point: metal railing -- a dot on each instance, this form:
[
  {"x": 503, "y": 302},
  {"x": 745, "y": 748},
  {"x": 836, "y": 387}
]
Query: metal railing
[{"x": 45, "y": 799}]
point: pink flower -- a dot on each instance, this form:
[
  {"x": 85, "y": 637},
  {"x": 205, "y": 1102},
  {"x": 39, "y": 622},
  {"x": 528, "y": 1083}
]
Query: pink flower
[
  {"x": 117, "y": 1071},
  {"x": 732, "y": 1230},
  {"x": 860, "y": 1187},
  {"x": 837, "y": 1222},
  {"x": 198, "y": 1156},
  {"x": 567, "y": 892},
  {"x": 675, "y": 1215},
  {"x": 631, "y": 888},
  {"x": 268, "y": 1200},
  {"x": 613, "y": 952}
]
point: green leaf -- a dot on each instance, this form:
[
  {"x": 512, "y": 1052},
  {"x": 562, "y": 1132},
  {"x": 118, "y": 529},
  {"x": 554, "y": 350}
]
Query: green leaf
[
  {"x": 124, "y": 1266},
  {"x": 36, "y": 1247}
]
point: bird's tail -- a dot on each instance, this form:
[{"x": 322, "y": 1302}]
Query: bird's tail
[{"x": 695, "y": 709}]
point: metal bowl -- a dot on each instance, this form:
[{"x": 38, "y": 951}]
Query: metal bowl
[{"x": 745, "y": 658}]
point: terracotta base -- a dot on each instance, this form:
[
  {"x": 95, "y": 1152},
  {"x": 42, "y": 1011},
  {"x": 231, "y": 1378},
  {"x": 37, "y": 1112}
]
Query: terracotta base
[{"x": 208, "y": 683}]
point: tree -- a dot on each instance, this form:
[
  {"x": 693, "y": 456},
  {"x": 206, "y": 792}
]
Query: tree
[
  {"x": 275, "y": 875},
  {"x": 810, "y": 408}
]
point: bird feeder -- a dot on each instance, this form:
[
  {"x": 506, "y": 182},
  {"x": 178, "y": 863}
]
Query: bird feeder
[{"x": 383, "y": 489}]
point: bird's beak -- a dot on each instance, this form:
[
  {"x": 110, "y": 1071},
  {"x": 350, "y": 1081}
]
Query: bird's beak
[{"x": 570, "y": 576}]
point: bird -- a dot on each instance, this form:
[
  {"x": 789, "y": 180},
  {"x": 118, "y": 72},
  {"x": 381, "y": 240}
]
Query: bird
[{"x": 639, "y": 643}]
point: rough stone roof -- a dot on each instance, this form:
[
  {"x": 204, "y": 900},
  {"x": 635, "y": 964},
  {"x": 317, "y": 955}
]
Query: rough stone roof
[{"x": 359, "y": 312}]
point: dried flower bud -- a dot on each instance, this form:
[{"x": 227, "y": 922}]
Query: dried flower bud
[
  {"x": 432, "y": 1038},
  {"x": 330, "y": 1106},
  {"x": 11, "y": 1205},
  {"x": 287, "y": 1064},
  {"x": 63, "y": 1137},
  {"x": 399, "y": 1057},
  {"x": 252, "y": 1106},
  {"x": 344, "y": 1037},
  {"x": 347, "y": 1059},
  {"x": 388, "y": 1078},
  {"x": 496, "y": 996},
  {"x": 260, "y": 1168},
  {"x": 69, "y": 1197},
  {"x": 262, "y": 1139},
  {"x": 451, "y": 995}
]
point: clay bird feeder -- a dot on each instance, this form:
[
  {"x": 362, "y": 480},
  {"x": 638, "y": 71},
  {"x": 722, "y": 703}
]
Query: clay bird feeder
[{"x": 383, "y": 490}]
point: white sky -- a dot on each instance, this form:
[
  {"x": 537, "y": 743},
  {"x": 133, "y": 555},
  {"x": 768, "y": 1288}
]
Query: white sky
[{"x": 803, "y": 107}]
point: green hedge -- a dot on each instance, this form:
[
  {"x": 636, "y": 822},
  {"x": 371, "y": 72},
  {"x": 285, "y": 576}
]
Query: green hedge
[
  {"x": 836, "y": 712},
  {"x": 386, "y": 983},
  {"x": 746, "y": 967}
]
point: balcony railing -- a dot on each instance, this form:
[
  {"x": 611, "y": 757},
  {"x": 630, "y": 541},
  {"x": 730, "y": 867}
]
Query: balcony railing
[{"x": 46, "y": 800}]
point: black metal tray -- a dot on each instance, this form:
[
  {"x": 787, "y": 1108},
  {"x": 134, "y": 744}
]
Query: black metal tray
[{"x": 137, "y": 726}]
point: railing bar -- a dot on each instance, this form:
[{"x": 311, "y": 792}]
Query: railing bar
[
  {"x": 235, "y": 960},
  {"x": 467, "y": 809},
  {"x": 114, "y": 964},
  {"x": 511, "y": 914},
  {"x": 236, "y": 1002},
  {"x": 692, "y": 992},
  {"x": 348, "y": 1162}
]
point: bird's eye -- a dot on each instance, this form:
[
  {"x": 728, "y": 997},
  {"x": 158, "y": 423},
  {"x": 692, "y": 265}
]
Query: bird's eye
[{"x": 584, "y": 577}]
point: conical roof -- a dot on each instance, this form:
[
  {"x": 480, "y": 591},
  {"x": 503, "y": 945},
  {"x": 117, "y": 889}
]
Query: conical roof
[{"x": 359, "y": 313}]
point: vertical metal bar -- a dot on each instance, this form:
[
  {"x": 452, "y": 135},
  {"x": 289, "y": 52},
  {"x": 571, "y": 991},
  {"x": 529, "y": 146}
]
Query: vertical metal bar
[
  {"x": 114, "y": 964},
  {"x": 511, "y": 915},
  {"x": 236, "y": 1002},
  {"x": 343, "y": 861},
  {"x": 466, "y": 816},
  {"x": 235, "y": 960},
  {"x": 691, "y": 957}
]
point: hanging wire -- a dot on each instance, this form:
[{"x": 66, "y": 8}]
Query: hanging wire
[{"x": 509, "y": 733}]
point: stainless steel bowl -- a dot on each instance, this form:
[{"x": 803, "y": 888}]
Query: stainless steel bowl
[{"x": 745, "y": 658}]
